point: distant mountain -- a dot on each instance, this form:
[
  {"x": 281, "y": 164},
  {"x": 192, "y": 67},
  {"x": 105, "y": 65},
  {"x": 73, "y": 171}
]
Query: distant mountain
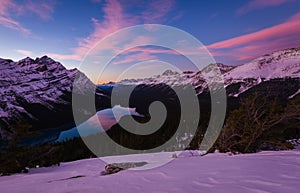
[
  {"x": 38, "y": 91},
  {"x": 278, "y": 66},
  {"x": 275, "y": 76}
]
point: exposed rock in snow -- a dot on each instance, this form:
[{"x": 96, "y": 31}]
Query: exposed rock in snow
[{"x": 38, "y": 90}]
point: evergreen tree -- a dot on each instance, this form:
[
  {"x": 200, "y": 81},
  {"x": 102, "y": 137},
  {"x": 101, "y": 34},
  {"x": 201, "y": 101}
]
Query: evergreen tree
[{"x": 246, "y": 126}]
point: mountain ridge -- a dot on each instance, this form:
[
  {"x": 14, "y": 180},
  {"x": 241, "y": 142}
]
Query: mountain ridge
[
  {"x": 279, "y": 64},
  {"x": 38, "y": 90}
]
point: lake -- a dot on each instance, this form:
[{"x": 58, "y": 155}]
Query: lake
[{"x": 100, "y": 122}]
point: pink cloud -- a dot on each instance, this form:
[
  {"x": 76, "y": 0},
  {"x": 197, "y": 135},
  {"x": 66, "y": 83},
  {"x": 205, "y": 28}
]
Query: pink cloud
[
  {"x": 284, "y": 35},
  {"x": 259, "y": 4},
  {"x": 13, "y": 24},
  {"x": 9, "y": 10},
  {"x": 116, "y": 17},
  {"x": 141, "y": 40},
  {"x": 294, "y": 17},
  {"x": 43, "y": 9},
  {"x": 5, "y": 5},
  {"x": 138, "y": 54},
  {"x": 154, "y": 50},
  {"x": 157, "y": 11},
  {"x": 158, "y": 50},
  {"x": 286, "y": 29},
  {"x": 64, "y": 56},
  {"x": 138, "y": 57},
  {"x": 24, "y": 52},
  {"x": 5, "y": 16}
]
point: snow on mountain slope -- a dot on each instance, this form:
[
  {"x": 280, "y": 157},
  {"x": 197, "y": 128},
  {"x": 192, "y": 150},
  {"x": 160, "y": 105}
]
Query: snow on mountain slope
[
  {"x": 279, "y": 64},
  {"x": 31, "y": 88},
  {"x": 174, "y": 78},
  {"x": 247, "y": 173}
]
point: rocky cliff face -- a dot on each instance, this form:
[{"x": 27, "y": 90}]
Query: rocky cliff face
[{"x": 39, "y": 91}]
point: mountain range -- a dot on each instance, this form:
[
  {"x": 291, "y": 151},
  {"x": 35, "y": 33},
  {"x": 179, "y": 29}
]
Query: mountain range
[
  {"x": 40, "y": 90},
  {"x": 283, "y": 64}
]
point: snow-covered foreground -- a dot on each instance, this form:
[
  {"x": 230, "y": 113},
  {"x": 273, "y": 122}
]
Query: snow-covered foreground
[{"x": 261, "y": 173}]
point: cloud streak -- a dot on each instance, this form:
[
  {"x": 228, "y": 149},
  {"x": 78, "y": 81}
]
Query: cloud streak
[
  {"x": 24, "y": 52},
  {"x": 136, "y": 57},
  {"x": 157, "y": 10},
  {"x": 43, "y": 9},
  {"x": 5, "y": 16},
  {"x": 9, "y": 10},
  {"x": 116, "y": 17},
  {"x": 13, "y": 24},
  {"x": 270, "y": 39},
  {"x": 260, "y": 4}
]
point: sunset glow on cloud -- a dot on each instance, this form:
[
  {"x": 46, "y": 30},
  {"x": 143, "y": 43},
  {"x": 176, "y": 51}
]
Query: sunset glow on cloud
[
  {"x": 116, "y": 18},
  {"x": 10, "y": 8},
  {"x": 260, "y": 4},
  {"x": 270, "y": 39}
]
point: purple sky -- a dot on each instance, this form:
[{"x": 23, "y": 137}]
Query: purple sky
[{"x": 233, "y": 31}]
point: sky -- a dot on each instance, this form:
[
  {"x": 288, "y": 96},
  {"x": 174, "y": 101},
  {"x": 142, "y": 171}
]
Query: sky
[{"x": 234, "y": 32}]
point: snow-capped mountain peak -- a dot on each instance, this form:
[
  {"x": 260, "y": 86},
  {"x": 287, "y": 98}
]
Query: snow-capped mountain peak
[
  {"x": 36, "y": 89},
  {"x": 169, "y": 73},
  {"x": 280, "y": 64}
]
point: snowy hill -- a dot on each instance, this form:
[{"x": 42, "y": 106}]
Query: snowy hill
[
  {"x": 173, "y": 78},
  {"x": 278, "y": 65},
  {"x": 281, "y": 68},
  {"x": 37, "y": 90},
  {"x": 248, "y": 173}
]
